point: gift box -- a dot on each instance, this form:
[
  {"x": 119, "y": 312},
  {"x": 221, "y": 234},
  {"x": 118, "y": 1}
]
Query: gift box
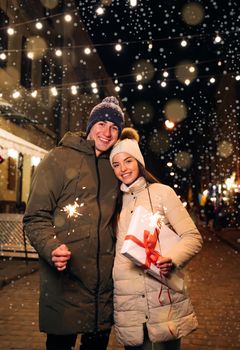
[{"x": 147, "y": 239}]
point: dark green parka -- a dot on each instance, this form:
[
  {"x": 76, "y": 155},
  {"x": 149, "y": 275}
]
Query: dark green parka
[{"x": 78, "y": 299}]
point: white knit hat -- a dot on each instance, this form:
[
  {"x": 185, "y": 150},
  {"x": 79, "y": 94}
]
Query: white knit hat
[{"x": 128, "y": 143}]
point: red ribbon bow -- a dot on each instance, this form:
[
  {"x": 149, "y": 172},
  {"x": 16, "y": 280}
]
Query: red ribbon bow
[{"x": 149, "y": 244}]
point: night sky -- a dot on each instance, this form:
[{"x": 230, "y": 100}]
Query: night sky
[{"x": 151, "y": 34}]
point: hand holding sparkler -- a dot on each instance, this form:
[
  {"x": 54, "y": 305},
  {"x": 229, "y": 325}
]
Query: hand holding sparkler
[{"x": 60, "y": 257}]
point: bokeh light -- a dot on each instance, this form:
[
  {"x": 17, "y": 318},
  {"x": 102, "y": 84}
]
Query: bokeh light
[
  {"x": 183, "y": 160},
  {"x": 225, "y": 149},
  {"x": 36, "y": 47},
  {"x": 175, "y": 111},
  {"x": 49, "y": 4},
  {"x": 142, "y": 113},
  {"x": 193, "y": 13},
  {"x": 186, "y": 71},
  {"x": 145, "y": 69},
  {"x": 159, "y": 142}
]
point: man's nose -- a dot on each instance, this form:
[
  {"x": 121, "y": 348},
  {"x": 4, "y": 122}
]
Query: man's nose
[{"x": 107, "y": 131}]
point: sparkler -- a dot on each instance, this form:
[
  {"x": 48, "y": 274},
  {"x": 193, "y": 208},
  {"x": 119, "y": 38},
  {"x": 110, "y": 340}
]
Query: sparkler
[
  {"x": 72, "y": 209},
  {"x": 156, "y": 220}
]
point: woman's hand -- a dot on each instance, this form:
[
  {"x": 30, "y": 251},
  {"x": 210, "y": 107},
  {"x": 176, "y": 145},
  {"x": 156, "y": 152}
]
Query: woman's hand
[{"x": 165, "y": 265}]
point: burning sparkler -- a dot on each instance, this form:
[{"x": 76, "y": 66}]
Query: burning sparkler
[{"x": 72, "y": 209}]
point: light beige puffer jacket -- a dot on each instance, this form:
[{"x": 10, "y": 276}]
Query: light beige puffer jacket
[{"x": 140, "y": 298}]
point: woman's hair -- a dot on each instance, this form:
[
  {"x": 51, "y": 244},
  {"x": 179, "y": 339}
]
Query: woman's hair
[{"x": 149, "y": 177}]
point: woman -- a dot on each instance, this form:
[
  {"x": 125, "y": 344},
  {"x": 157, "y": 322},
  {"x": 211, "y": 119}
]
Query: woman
[{"x": 148, "y": 314}]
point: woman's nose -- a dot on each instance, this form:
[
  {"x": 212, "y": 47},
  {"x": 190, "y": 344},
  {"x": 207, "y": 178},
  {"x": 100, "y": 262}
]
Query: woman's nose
[{"x": 123, "y": 167}]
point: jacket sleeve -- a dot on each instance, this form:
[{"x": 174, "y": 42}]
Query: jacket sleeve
[
  {"x": 178, "y": 217},
  {"x": 38, "y": 220}
]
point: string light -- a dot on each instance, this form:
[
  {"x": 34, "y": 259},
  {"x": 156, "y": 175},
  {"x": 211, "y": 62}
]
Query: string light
[
  {"x": 165, "y": 74},
  {"x": 150, "y": 46},
  {"x": 118, "y": 47},
  {"x": 30, "y": 55},
  {"x": 139, "y": 77},
  {"x": 54, "y": 91},
  {"x": 169, "y": 124},
  {"x": 163, "y": 84},
  {"x": 10, "y": 31},
  {"x": 94, "y": 85},
  {"x": 74, "y": 89},
  {"x": 100, "y": 11},
  {"x": 237, "y": 77},
  {"x": 87, "y": 51},
  {"x": 191, "y": 69},
  {"x": 34, "y": 93},
  {"x": 187, "y": 82},
  {"x": 212, "y": 80},
  {"x": 68, "y": 18},
  {"x": 35, "y": 160},
  {"x": 39, "y": 25},
  {"x": 117, "y": 88},
  {"x": 133, "y": 3},
  {"x": 16, "y": 94},
  {"x": 58, "y": 53},
  {"x": 3, "y": 56},
  {"x": 12, "y": 153},
  {"x": 184, "y": 43},
  {"x": 140, "y": 86},
  {"x": 217, "y": 39}
]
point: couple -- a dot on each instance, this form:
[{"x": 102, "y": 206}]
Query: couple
[{"x": 69, "y": 220}]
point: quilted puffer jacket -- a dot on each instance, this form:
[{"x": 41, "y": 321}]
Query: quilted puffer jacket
[{"x": 139, "y": 298}]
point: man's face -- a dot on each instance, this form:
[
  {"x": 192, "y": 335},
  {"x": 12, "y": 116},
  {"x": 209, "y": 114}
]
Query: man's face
[{"x": 105, "y": 135}]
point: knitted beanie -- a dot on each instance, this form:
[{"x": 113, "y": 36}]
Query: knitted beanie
[
  {"x": 128, "y": 143},
  {"x": 107, "y": 110}
]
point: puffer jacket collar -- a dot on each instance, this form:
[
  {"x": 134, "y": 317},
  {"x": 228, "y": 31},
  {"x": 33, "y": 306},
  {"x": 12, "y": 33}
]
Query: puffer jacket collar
[{"x": 137, "y": 186}]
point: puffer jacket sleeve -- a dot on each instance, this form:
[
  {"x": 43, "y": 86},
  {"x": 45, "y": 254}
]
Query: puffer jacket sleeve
[
  {"x": 38, "y": 220},
  {"x": 182, "y": 223}
]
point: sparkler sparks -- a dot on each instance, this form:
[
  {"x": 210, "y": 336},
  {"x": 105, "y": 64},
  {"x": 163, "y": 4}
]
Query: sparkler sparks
[
  {"x": 72, "y": 209},
  {"x": 156, "y": 220}
]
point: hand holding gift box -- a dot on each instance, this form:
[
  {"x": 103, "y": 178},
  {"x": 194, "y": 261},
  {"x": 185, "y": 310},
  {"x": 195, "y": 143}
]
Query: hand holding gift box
[{"x": 145, "y": 242}]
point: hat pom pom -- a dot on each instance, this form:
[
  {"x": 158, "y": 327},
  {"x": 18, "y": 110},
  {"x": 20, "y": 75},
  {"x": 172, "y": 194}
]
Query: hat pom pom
[
  {"x": 111, "y": 99},
  {"x": 130, "y": 133}
]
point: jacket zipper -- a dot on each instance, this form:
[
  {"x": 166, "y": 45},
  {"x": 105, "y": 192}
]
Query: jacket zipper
[{"x": 98, "y": 248}]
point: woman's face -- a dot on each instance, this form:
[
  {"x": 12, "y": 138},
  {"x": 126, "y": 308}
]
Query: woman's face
[{"x": 125, "y": 168}]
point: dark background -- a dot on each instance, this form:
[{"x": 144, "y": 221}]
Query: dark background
[{"x": 162, "y": 23}]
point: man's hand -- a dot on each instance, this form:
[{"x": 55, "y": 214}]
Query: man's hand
[
  {"x": 60, "y": 257},
  {"x": 165, "y": 265}
]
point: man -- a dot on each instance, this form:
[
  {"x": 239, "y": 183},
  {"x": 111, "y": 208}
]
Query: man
[{"x": 69, "y": 222}]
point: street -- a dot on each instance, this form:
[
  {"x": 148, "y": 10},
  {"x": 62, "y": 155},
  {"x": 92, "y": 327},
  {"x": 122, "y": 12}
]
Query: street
[{"x": 213, "y": 279}]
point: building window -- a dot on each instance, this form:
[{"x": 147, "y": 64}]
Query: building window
[
  {"x": 26, "y": 67},
  {"x": 12, "y": 170},
  {"x": 3, "y": 39}
]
